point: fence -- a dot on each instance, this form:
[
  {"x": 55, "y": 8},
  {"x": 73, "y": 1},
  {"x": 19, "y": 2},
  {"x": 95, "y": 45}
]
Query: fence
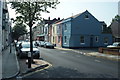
[{"x": 113, "y": 50}]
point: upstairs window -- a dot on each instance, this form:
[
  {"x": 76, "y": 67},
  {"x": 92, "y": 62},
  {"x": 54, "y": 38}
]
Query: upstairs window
[
  {"x": 65, "y": 27},
  {"x": 86, "y": 16}
]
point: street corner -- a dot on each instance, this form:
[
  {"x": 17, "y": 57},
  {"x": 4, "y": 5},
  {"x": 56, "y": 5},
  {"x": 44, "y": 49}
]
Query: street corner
[
  {"x": 38, "y": 62},
  {"x": 38, "y": 65}
]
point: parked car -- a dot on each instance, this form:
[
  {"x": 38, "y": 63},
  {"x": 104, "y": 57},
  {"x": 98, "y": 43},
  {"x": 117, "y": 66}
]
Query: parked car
[
  {"x": 41, "y": 43},
  {"x": 25, "y": 49},
  {"x": 48, "y": 45},
  {"x": 116, "y": 44},
  {"x": 17, "y": 44},
  {"x": 36, "y": 43}
]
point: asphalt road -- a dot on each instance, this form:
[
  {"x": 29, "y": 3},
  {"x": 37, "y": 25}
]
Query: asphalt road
[{"x": 68, "y": 64}]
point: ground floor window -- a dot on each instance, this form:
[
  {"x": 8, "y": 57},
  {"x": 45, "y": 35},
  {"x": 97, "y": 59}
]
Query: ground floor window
[
  {"x": 82, "y": 39},
  {"x": 58, "y": 39},
  {"x": 105, "y": 40},
  {"x": 96, "y": 38},
  {"x": 53, "y": 39},
  {"x": 65, "y": 39}
]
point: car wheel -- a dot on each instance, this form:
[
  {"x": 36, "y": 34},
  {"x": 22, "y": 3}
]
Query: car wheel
[
  {"x": 38, "y": 56},
  {"x": 20, "y": 56},
  {"x": 52, "y": 47}
]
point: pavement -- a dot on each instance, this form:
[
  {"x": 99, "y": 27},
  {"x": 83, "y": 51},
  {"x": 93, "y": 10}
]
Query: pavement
[
  {"x": 10, "y": 65},
  {"x": 37, "y": 66},
  {"x": 93, "y": 53}
]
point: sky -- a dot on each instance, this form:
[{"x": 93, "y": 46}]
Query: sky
[{"x": 102, "y": 10}]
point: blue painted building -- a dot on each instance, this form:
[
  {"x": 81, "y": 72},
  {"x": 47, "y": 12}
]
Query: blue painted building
[{"x": 84, "y": 30}]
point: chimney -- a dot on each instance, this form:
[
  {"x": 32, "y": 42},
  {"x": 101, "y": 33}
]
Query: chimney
[
  {"x": 58, "y": 18},
  {"x": 48, "y": 18}
]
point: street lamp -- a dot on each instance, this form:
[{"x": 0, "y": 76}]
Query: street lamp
[{"x": 11, "y": 35}]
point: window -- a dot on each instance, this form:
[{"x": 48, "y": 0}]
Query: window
[
  {"x": 86, "y": 16},
  {"x": 65, "y": 27},
  {"x": 96, "y": 38},
  {"x": 65, "y": 39},
  {"x": 106, "y": 40},
  {"x": 53, "y": 30},
  {"x": 58, "y": 39},
  {"x": 53, "y": 39},
  {"x": 82, "y": 41}
]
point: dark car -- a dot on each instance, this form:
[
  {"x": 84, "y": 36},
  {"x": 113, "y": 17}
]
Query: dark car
[
  {"x": 48, "y": 45},
  {"x": 25, "y": 49}
]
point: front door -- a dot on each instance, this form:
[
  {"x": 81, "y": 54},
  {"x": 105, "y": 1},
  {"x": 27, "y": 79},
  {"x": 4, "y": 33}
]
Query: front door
[{"x": 91, "y": 41}]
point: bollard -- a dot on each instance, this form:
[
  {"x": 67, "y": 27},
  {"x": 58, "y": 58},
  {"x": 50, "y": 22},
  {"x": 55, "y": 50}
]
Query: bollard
[{"x": 29, "y": 60}]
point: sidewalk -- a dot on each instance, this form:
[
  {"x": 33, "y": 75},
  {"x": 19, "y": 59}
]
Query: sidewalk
[
  {"x": 96, "y": 54},
  {"x": 37, "y": 66},
  {"x": 10, "y": 66},
  {"x": 0, "y": 65}
]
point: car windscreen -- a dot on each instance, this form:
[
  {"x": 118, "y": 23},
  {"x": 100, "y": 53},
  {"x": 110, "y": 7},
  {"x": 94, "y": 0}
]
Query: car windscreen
[
  {"x": 115, "y": 44},
  {"x": 27, "y": 45}
]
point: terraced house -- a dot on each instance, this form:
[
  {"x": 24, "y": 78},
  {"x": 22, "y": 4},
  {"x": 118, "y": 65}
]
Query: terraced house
[
  {"x": 5, "y": 26},
  {"x": 84, "y": 30}
]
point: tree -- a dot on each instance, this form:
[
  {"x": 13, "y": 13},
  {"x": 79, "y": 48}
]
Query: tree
[
  {"x": 18, "y": 30},
  {"x": 116, "y": 18},
  {"x": 30, "y": 12},
  {"x": 115, "y": 26}
]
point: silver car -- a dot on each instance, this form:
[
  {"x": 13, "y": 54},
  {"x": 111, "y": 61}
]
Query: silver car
[
  {"x": 116, "y": 44},
  {"x": 25, "y": 49}
]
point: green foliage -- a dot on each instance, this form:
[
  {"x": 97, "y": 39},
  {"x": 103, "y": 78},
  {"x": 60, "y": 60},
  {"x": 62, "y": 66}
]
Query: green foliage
[
  {"x": 18, "y": 30},
  {"x": 30, "y": 12},
  {"x": 117, "y": 17}
]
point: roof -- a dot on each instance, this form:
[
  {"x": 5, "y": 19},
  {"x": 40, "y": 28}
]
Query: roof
[{"x": 76, "y": 15}]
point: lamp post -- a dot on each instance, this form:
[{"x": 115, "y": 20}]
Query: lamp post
[
  {"x": 10, "y": 40},
  {"x": 11, "y": 35}
]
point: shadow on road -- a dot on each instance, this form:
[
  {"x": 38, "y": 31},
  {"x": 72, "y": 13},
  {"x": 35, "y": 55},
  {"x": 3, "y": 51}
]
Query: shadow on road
[{"x": 61, "y": 72}]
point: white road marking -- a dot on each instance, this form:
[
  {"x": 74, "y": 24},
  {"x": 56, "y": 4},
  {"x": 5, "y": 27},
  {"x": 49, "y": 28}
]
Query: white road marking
[
  {"x": 97, "y": 61},
  {"x": 63, "y": 52},
  {"x": 78, "y": 56}
]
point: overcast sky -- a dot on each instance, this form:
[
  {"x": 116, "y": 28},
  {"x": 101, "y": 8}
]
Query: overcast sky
[{"x": 103, "y": 10}]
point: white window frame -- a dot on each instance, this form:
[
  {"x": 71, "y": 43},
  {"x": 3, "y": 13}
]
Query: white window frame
[
  {"x": 83, "y": 40},
  {"x": 65, "y": 39},
  {"x": 86, "y": 17}
]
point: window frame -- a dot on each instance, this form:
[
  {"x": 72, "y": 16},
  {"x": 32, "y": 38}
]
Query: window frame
[
  {"x": 65, "y": 39},
  {"x": 106, "y": 38},
  {"x": 58, "y": 39},
  {"x": 96, "y": 38},
  {"x": 82, "y": 39},
  {"x": 65, "y": 27},
  {"x": 86, "y": 16}
]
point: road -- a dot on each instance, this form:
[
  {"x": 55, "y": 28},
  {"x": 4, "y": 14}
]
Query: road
[{"x": 69, "y": 64}]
